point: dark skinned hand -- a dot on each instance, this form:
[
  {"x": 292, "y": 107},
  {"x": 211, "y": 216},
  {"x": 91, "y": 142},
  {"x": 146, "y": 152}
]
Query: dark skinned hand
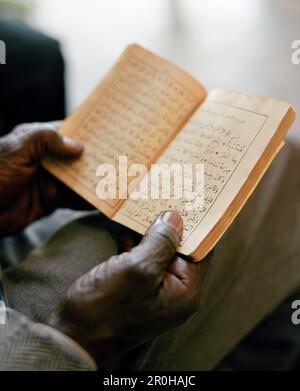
[
  {"x": 133, "y": 297},
  {"x": 27, "y": 190}
]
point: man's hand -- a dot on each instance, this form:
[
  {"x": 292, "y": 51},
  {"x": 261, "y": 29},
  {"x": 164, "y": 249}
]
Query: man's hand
[
  {"x": 27, "y": 191},
  {"x": 132, "y": 297}
]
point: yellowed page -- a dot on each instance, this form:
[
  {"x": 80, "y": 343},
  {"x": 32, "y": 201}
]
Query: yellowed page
[
  {"x": 228, "y": 134},
  {"x": 135, "y": 111}
]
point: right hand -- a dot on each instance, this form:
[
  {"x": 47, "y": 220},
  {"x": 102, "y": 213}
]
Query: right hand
[{"x": 132, "y": 297}]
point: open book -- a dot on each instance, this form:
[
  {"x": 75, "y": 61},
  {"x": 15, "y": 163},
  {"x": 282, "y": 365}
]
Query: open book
[{"x": 153, "y": 112}]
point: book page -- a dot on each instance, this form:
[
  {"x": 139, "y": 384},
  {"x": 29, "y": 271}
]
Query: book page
[
  {"x": 229, "y": 134},
  {"x": 135, "y": 111}
]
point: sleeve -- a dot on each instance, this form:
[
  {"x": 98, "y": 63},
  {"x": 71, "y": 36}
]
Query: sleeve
[{"x": 29, "y": 346}]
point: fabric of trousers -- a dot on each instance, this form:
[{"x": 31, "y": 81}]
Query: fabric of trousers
[{"x": 254, "y": 268}]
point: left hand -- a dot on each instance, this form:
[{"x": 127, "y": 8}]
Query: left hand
[{"x": 27, "y": 191}]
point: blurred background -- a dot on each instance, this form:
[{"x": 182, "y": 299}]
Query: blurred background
[{"x": 242, "y": 45}]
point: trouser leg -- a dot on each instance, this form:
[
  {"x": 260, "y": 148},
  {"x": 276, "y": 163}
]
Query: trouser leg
[{"x": 35, "y": 286}]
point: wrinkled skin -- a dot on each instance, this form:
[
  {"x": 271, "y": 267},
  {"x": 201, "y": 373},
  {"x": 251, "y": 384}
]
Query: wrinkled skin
[
  {"x": 27, "y": 191},
  {"x": 123, "y": 302},
  {"x": 132, "y": 297}
]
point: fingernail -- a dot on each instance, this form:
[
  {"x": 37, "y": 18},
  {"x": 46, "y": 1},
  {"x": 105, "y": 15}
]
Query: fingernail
[
  {"x": 72, "y": 143},
  {"x": 174, "y": 220}
]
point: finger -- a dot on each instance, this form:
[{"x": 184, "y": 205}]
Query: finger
[
  {"x": 190, "y": 274},
  {"x": 183, "y": 284},
  {"x": 41, "y": 140},
  {"x": 158, "y": 247},
  {"x": 184, "y": 261},
  {"x": 181, "y": 288},
  {"x": 55, "y": 194}
]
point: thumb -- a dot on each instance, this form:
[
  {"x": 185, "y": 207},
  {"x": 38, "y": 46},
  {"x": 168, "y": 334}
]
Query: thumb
[
  {"x": 158, "y": 247},
  {"x": 40, "y": 140}
]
